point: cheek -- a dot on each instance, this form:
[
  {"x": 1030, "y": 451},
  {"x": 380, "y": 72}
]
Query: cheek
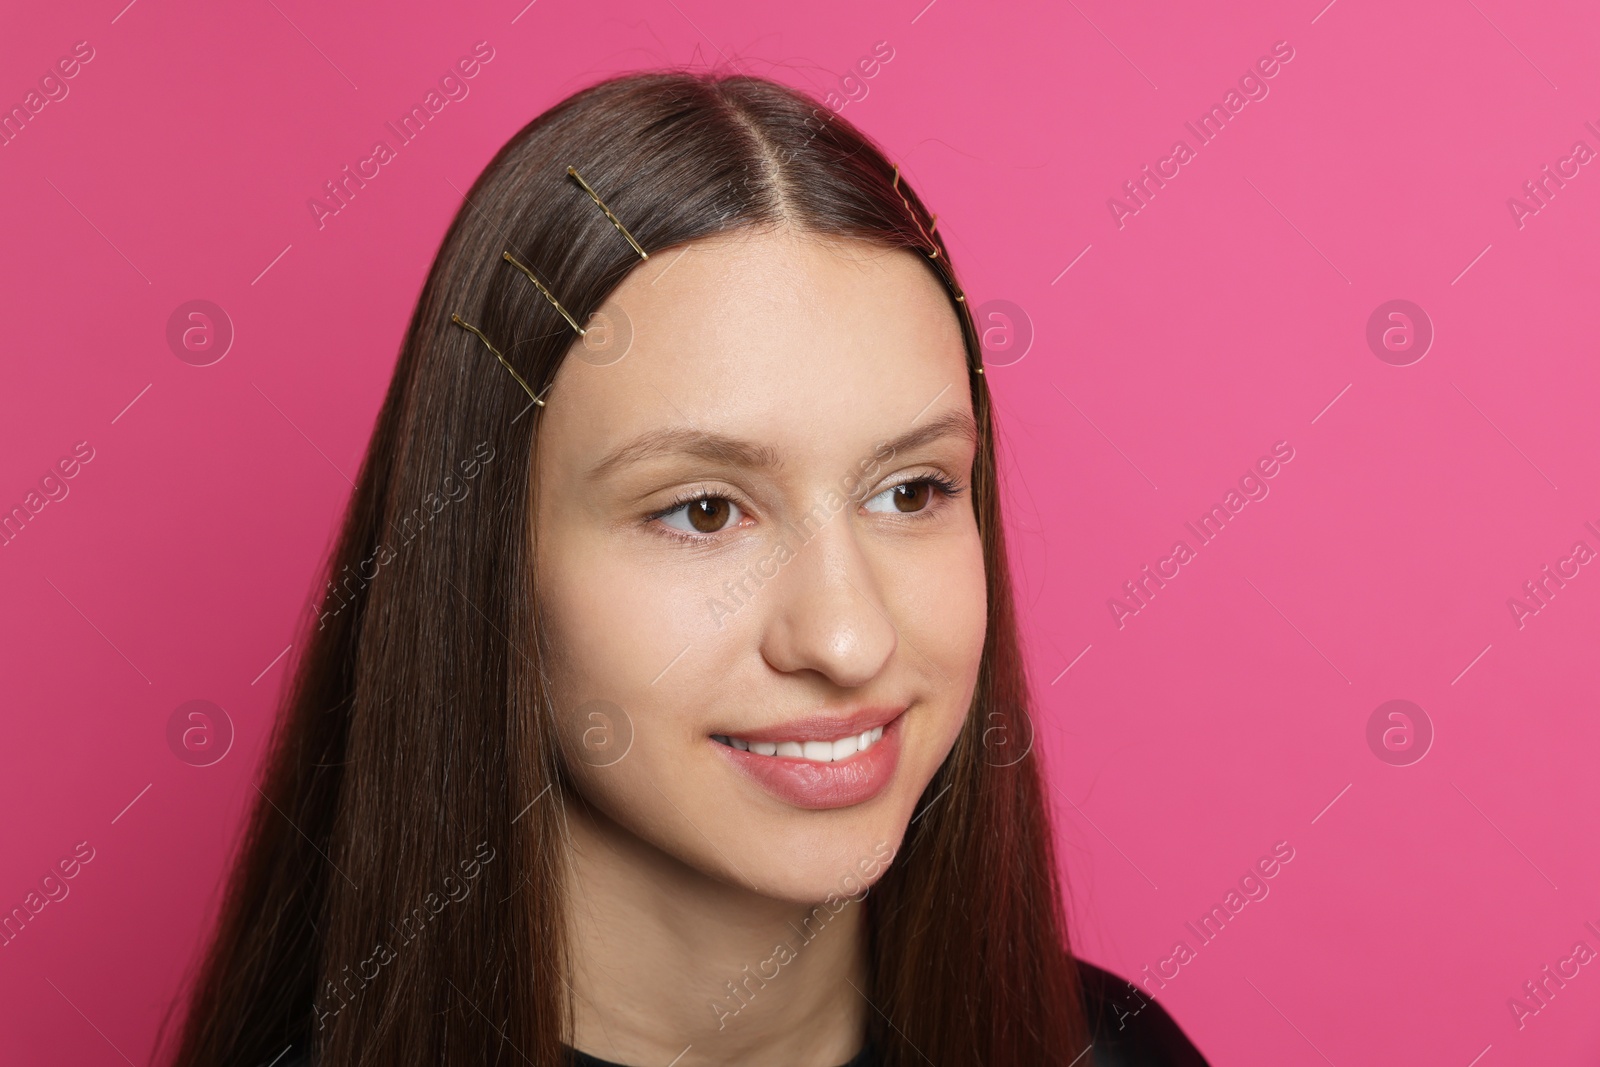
[
  {"x": 944, "y": 618},
  {"x": 616, "y": 624},
  {"x": 617, "y": 629}
]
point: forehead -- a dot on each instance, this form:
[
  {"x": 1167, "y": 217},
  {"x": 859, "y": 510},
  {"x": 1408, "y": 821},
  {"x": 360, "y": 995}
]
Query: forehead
[{"x": 773, "y": 335}]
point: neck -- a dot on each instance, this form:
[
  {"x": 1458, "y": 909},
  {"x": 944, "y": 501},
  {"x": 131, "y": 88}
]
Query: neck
[{"x": 670, "y": 965}]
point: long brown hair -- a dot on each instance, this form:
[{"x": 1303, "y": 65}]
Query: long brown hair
[{"x": 395, "y": 898}]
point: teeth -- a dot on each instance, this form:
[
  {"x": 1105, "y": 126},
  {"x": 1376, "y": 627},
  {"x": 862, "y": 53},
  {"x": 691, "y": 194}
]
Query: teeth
[{"x": 815, "y": 751}]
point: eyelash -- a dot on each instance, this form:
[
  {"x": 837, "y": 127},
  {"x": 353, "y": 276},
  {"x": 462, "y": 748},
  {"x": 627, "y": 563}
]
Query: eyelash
[{"x": 947, "y": 489}]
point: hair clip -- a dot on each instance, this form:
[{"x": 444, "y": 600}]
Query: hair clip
[
  {"x": 927, "y": 235},
  {"x": 961, "y": 298},
  {"x": 459, "y": 321},
  {"x": 548, "y": 295},
  {"x": 572, "y": 172}
]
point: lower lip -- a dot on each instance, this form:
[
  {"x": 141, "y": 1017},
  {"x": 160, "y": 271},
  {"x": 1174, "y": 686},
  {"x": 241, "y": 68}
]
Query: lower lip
[{"x": 820, "y": 786}]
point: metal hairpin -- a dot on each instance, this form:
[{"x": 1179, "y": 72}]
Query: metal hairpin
[
  {"x": 459, "y": 321},
  {"x": 548, "y": 295},
  {"x": 572, "y": 172},
  {"x": 927, "y": 235}
]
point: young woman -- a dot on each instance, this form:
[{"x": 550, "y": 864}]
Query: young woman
[{"x": 664, "y": 704}]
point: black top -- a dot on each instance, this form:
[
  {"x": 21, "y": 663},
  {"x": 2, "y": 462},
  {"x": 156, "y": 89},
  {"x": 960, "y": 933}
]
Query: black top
[
  {"x": 864, "y": 1058},
  {"x": 1126, "y": 1029}
]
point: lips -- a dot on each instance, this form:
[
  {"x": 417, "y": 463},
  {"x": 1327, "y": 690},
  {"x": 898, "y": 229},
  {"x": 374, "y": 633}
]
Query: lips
[{"x": 819, "y": 762}]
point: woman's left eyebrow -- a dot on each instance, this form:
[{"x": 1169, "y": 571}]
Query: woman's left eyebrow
[{"x": 734, "y": 451}]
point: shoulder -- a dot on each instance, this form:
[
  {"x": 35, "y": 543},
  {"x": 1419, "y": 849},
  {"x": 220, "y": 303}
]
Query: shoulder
[{"x": 1127, "y": 1028}]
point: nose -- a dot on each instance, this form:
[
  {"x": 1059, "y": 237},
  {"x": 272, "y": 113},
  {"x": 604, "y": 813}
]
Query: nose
[{"x": 828, "y": 613}]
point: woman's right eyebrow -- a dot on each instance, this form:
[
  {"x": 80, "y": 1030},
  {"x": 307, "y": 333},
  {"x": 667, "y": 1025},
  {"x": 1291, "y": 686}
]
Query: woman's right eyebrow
[
  {"x": 702, "y": 444},
  {"x": 734, "y": 451}
]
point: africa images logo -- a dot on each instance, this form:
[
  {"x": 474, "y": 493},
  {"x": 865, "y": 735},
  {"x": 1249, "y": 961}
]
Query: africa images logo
[
  {"x": 1252, "y": 86},
  {"x": 452, "y": 87}
]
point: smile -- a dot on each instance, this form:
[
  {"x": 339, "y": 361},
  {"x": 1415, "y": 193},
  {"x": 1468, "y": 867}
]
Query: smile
[
  {"x": 819, "y": 762},
  {"x": 815, "y": 751}
]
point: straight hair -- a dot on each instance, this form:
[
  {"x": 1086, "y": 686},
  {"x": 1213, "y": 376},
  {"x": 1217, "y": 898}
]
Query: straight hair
[{"x": 395, "y": 897}]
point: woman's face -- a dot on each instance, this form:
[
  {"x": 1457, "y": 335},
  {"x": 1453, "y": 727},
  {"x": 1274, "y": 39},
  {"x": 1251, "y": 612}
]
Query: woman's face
[{"x": 758, "y": 564}]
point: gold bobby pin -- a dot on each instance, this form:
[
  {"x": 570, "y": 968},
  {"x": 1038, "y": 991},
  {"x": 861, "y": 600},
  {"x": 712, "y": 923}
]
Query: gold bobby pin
[
  {"x": 927, "y": 235},
  {"x": 459, "y": 321},
  {"x": 548, "y": 295},
  {"x": 955, "y": 290},
  {"x": 572, "y": 172}
]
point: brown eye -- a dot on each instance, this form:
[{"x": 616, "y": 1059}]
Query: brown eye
[
  {"x": 707, "y": 515},
  {"x": 907, "y": 498},
  {"x": 913, "y": 496}
]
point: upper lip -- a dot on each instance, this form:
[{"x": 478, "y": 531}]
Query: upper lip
[{"x": 821, "y": 727}]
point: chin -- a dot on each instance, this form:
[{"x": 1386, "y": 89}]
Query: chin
[
  {"x": 800, "y": 859},
  {"x": 822, "y": 802}
]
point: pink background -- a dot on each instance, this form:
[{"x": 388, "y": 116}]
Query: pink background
[{"x": 1227, "y": 315}]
